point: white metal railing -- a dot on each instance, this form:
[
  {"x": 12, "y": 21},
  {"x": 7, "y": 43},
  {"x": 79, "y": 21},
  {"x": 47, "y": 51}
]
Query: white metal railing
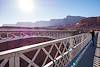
[{"x": 56, "y": 53}]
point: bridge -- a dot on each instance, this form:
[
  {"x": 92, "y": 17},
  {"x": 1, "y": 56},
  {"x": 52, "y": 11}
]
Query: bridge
[
  {"x": 63, "y": 51},
  {"x": 7, "y": 34}
]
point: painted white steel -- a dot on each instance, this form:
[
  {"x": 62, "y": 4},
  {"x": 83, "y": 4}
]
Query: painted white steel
[{"x": 15, "y": 55}]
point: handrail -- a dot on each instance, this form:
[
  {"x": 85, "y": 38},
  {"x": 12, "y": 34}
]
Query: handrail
[{"x": 36, "y": 45}]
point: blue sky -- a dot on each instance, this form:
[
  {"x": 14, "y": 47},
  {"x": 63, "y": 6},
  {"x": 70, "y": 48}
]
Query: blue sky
[{"x": 47, "y": 9}]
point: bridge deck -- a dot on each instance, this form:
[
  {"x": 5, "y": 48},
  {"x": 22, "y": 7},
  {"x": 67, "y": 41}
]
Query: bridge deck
[
  {"x": 91, "y": 56},
  {"x": 96, "y": 62},
  {"x": 87, "y": 59}
]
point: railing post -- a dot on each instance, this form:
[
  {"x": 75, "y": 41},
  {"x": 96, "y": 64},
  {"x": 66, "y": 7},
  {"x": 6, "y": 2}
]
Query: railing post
[
  {"x": 12, "y": 62},
  {"x": 0, "y": 36},
  {"x": 17, "y": 61},
  {"x": 82, "y": 38},
  {"x": 70, "y": 47}
]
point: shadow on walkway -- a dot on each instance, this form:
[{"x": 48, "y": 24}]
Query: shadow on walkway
[{"x": 87, "y": 58}]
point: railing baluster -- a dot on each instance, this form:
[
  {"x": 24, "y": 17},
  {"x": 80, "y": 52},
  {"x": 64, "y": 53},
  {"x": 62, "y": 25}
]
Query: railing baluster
[
  {"x": 11, "y": 62},
  {"x": 3, "y": 62},
  {"x": 17, "y": 60}
]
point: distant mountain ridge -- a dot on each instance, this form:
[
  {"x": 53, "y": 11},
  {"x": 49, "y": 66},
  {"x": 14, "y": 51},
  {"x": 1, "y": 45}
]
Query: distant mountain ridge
[
  {"x": 53, "y": 22},
  {"x": 90, "y": 23},
  {"x": 58, "y": 22}
]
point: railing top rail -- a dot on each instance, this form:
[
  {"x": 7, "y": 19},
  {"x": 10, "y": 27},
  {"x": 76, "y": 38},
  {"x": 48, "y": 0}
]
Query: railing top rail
[{"x": 36, "y": 45}]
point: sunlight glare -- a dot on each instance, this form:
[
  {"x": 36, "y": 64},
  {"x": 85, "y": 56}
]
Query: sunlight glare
[{"x": 26, "y": 6}]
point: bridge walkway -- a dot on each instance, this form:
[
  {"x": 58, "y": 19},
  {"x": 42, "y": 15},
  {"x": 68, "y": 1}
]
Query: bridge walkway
[
  {"x": 89, "y": 56},
  {"x": 96, "y": 62},
  {"x": 86, "y": 58}
]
